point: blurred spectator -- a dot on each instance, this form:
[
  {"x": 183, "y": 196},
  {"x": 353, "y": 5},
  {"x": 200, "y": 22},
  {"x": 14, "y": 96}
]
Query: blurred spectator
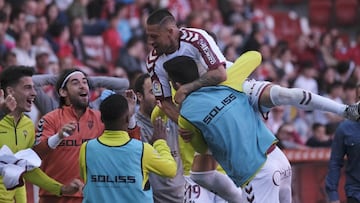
[
  {"x": 112, "y": 38},
  {"x": 77, "y": 9},
  {"x": 345, "y": 69},
  {"x": 319, "y": 137},
  {"x": 326, "y": 78},
  {"x": 349, "y": 94},
  {"x": 132, "y": 57},
  {"x": 6, "y": 42},
  {"x": 55, "y": 15},
  {"x": 306, "y": 50},
  {"x": 327, "y": 50},
  {"x": 30, "y": 25},
  {"x": 24, "y": 50},
  {"x": 230, "y": 52},
  {"x": 306, "y": 80},
  {"x": 276, "y": 118},
  {"x": 334, "y": 92},
  {"x": 355, "y": 51},
  {"x": 124, "y": 28},
  {"x": 42, "y": 61},
  {"x": 342, "y": 52},
  {"x": 30, "y": 7},
  {"x": 289, "y": 138},
  {"x": 17, "y": 23},
  {"x": 283, "y": 61},
  {"x": 81, "y": 53}
]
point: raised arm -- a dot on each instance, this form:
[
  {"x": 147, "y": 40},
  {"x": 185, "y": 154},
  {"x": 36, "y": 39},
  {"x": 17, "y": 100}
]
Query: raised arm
[{"x": 43, "y": 101}]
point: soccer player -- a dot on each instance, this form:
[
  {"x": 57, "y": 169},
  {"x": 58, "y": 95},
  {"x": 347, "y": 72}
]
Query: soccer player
[
  {"x": 116, "y": 168},
  {"x": 230, "y": 125},
  {"x": 169, "y": 41},
  {"x": 61, "y": 132},
  {"x": 18, "y": 133}
]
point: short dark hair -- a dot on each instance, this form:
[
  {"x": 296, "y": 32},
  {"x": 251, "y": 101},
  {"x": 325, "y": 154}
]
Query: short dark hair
[
  {"x": 139, "y": 83},
  {"x": 159, "y": 16},
  {"x": 63, "y": 75},
  {"x": 12, "y": 74},
  {"x": 113, "y": 107},
  {"x": 182, "y": 69}
]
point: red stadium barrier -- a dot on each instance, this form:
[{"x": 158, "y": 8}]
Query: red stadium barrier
[{"x": 310, "y": 168}]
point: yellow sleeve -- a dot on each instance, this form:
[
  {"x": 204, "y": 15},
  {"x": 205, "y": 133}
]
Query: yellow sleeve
[
  {"x": 157, "y": 159},
  {"x": 157, "y": 112},
  {"x": 39, "y": 178},
  {"x": 241, "y": 69},
  {"x": 197, "y": 141},
  {"x": 82, "y": 162}
]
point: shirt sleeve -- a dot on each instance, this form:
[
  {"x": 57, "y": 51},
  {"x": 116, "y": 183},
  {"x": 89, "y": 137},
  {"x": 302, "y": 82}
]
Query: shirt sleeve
[
  {"x": 335, "y": 164},
  {"x": 39, "y": 178},
  {"x": 44, "y": 130},
  {"x": 198, "y": 142},
  {"x": 43, "y": 101},
  {"x": 82, "y": 162},
  {"x": 157, "y": 159}
]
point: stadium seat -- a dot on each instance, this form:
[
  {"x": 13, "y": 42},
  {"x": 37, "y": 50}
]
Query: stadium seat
[
  {"x": 320, "y": 13},
  {"x": 346, "y": 12}
]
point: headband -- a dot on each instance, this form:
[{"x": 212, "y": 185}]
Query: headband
[{"x": 67, "y": 78}]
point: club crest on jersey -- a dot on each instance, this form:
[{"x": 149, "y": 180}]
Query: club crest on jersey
[
  {"x": 25, "y": 132},
  {"x": 90, "y": 124},
  {"x": 157, "y": 88}
]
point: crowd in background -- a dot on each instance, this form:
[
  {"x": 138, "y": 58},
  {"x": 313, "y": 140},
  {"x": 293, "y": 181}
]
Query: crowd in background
[{"x": 106, "y": 37}]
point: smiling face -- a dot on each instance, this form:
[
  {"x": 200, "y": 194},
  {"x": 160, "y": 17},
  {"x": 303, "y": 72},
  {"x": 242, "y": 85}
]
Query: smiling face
[
  {"x": 76, "y": 91},
  {"x": 24, "y": 94}
]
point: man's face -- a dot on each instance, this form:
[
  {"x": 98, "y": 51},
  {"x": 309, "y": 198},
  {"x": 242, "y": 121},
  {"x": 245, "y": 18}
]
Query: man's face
[
  {"x": 161, "y": 39},
  {"x": 24, "y": 94},
  {"x": 148, "y": 98},
  {"x": 77, "y": 91}
]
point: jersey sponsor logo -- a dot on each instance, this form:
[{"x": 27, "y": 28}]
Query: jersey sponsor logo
[
  {"x": 3, "y": 132},
  {"x": 157, "y": 88},
  {"x": 280, "y": 175},
  {"x": 72, "y": 143},
  {"x": 112, "y": 179},
  {"x": 215, "y": 111},
  {"x": 207, "y": 51}
]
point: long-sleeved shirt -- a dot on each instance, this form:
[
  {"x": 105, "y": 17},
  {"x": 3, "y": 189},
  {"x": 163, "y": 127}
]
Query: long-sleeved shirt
[
  {"x": 62, "y": 163},
  {"x": 116, "y": 148},
  {"x": 19, "y": 136},
  {"x": 346, "y": 143},
  {"x": 169, "y": 190}
]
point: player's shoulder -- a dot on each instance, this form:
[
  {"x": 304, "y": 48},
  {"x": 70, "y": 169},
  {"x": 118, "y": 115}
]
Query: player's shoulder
[
  {"x": 152, "y": 58},
  {"x": 192, "y": 35}
]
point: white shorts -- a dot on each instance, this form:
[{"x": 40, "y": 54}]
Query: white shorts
[
  {"x": 272, "y": 183},
  {"x": 194, "y": 193}
]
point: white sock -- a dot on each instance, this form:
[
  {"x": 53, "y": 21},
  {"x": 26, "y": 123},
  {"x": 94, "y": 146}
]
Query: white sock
[
  {"x": 304, "y": 100},
  {"x": 218, "y": 183}
]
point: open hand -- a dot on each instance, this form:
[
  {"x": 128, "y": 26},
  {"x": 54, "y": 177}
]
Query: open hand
[
  {"x": 68, "y": 129},
  {"x": 131, "y": 99},
  {"x": 159, "y": 129},
  {"x": 7, "y": 104}
]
